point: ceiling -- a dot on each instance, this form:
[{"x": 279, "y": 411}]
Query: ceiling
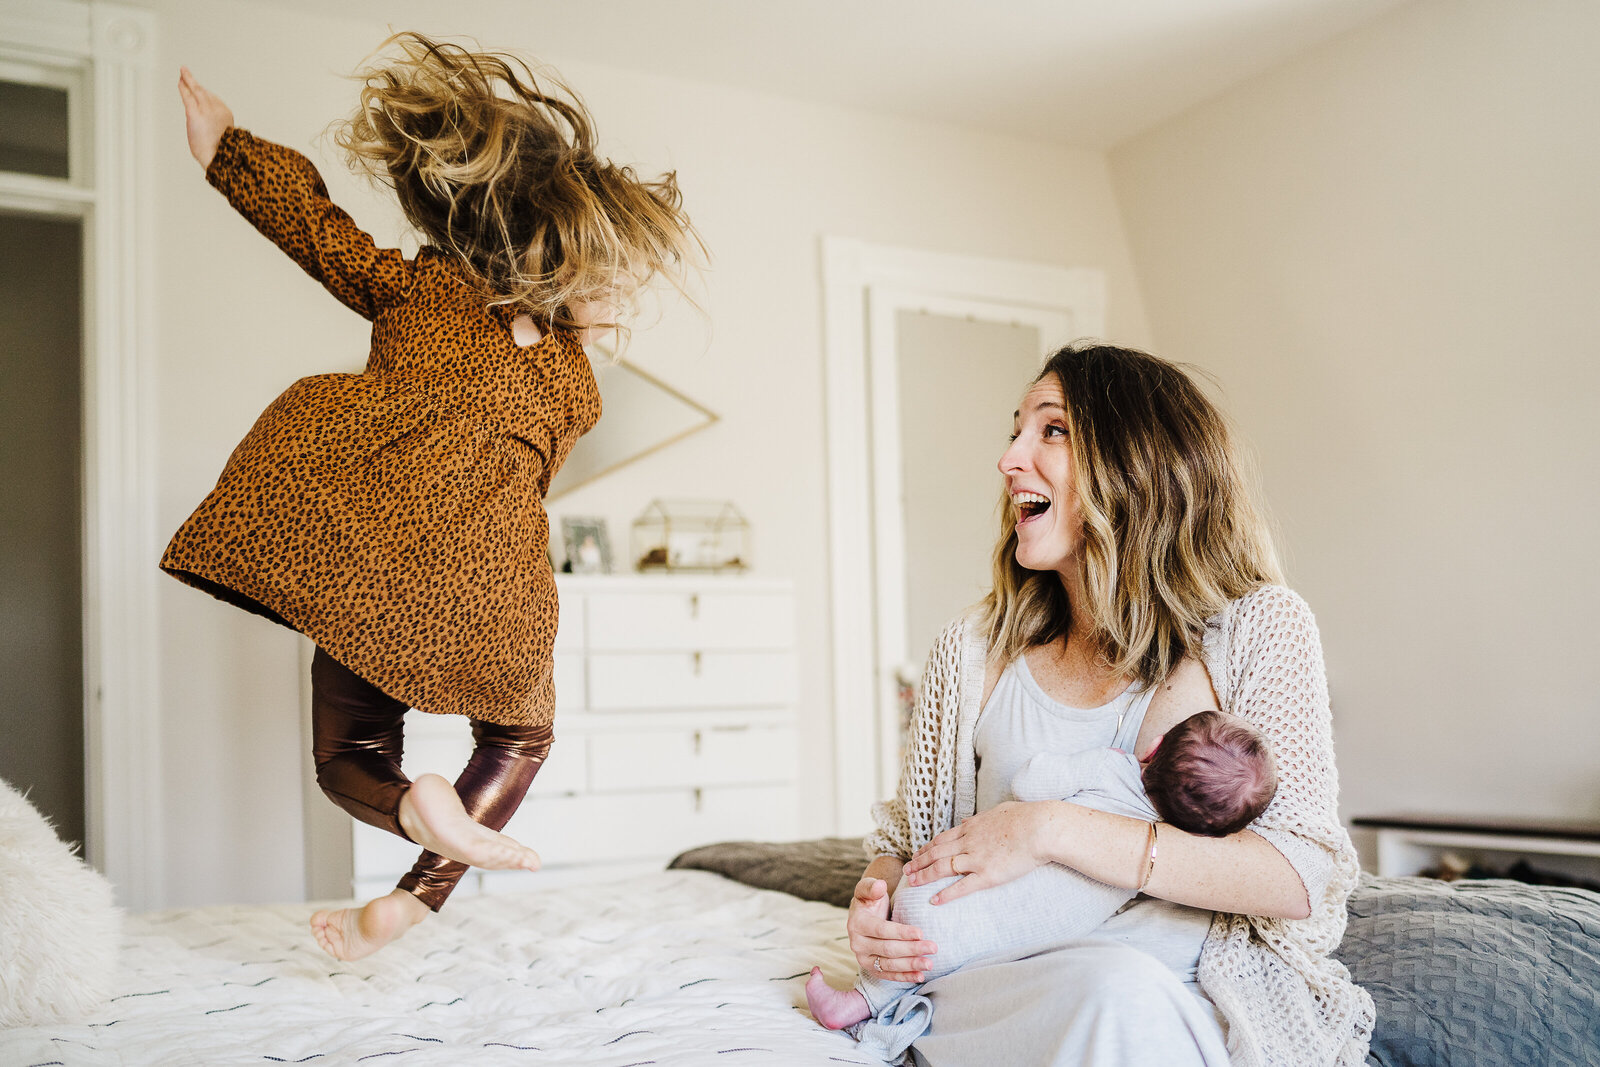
[{"x": 1089, "y": 73}]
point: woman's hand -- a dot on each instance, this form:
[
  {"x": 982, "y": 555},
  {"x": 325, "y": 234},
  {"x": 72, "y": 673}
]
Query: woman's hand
[
  {"x": 205, "y": 116},
  {"x": 884, "y": 949},
  {"x": 991, "y": 848}
]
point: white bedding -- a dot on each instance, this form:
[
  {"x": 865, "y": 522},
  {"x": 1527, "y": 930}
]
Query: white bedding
[{"x": 677, "y": 967}]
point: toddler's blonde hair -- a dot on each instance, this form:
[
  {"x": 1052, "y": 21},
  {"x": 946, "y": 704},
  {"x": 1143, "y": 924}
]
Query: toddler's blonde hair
[{"x": 497, "y": 167}]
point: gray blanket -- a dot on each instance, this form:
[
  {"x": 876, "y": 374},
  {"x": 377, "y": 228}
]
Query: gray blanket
[
  {"x": 1476, "y": 973},
  {"x": 1464, "y": 974},
  {"x": 826, "y": 869}
]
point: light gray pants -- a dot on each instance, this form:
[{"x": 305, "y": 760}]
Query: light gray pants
[
  {"x": 1088, "y": 1004},
  {"x": 1125, "y": 997}
]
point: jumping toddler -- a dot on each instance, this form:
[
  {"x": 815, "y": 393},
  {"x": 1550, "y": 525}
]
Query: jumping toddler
[{"x": 396, "y": 516}]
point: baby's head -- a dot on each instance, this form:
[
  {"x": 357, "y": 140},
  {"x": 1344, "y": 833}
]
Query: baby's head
[{"x": 1211, "y": 774}]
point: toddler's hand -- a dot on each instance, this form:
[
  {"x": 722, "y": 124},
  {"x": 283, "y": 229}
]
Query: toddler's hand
[{"x": 205, "y": 116}]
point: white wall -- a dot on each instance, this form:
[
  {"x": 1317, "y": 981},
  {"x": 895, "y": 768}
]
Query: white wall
[
  {"x": 764, "y": 179},
  {"x": 1389, "y": 252}
]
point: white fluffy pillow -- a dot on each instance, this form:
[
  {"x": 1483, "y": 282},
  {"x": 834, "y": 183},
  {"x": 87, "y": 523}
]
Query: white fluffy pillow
[{"x": 59, "y": 930}]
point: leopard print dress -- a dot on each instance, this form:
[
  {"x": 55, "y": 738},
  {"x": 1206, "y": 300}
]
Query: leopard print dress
[{"x": 396, "y": 516}]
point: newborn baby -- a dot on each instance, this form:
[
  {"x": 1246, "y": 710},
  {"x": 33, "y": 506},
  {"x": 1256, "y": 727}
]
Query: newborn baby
[{"x": 1211, "y": 774}]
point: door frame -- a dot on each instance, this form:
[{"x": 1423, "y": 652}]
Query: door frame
[
  {"x": 864, "y": 288},
  {"x": 108, "y": 52}
]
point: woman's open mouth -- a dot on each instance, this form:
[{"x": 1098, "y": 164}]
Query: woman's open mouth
[{"x": 1029, "y": 506}]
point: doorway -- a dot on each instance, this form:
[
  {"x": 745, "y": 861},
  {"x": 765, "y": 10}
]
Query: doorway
[
  {"x": 927, "y": 355},
  {"x": 41, "y": 515},
  {"x": 41, "y": 456}
]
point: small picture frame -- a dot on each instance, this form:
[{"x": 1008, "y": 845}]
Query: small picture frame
[{"x": 588, "y": 546}]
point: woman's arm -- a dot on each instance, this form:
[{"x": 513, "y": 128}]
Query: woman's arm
[{"x": 1240, "y": 873}]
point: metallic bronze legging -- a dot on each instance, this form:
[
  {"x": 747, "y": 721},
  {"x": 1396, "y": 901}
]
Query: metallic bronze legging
[{"x": 356, "y": 744}]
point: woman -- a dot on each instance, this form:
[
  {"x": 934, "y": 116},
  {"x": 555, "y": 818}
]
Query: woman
[{"x": 1134, "y": 572}]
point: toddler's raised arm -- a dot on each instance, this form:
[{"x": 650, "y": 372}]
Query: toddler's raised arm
[{"x": 281, "y": 194}]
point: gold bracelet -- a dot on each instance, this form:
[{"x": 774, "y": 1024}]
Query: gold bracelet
[{"x": 1150, "y": 860}]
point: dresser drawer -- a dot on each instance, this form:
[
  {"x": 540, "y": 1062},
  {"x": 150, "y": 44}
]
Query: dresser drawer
[
  {"x": 743, "y": 813},
  {"x": 379, "y": 854},
  {"x": 615, "y": 827},
  {"x": 569, "y": 633},
  {"x": 571, "y": 691},
  {"x": 657, "y": 824},
  {"x": 436, "y": 744},
  {"x": 640, "y": 680},
  {"x": 442, "y": 744},
  {"x": 690, "y": 621},
  {"x": 566, "y": 769},
  {"x": 647, "y": 759},
  {"x": 598, "y": 828}
]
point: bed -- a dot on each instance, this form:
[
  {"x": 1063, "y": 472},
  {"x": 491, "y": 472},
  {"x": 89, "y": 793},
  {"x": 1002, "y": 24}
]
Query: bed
[
  {"x": 677, "y": 967},
  {"x": 704, "y": 964}
]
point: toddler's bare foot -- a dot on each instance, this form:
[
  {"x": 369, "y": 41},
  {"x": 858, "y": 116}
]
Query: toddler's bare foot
[
  {"x": 351, "y": 933},
  {"x": 834, "y": 1008},
  {"x": 432, "y": 816}
]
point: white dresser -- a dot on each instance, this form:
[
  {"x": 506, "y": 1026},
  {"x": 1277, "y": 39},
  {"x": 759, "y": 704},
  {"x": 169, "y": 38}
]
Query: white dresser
[{"x": 675, "y": 727}]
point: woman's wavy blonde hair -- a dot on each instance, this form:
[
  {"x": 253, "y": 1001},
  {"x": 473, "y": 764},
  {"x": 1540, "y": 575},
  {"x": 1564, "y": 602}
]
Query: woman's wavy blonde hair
[
  {"x": 1171, "y": 531},
  {"x": 497, "y": 167}
]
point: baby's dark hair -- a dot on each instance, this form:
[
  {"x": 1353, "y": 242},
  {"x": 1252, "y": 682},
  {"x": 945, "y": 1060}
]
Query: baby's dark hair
[{"x": 1212, "y": 774}]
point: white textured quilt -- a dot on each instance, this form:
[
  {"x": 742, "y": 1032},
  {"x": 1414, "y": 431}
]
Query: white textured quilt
[{"x": 680, "y": 967}]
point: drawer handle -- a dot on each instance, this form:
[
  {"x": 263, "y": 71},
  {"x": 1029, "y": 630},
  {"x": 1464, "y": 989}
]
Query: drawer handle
[
  {"x": 694, "y": 605},
  {"x": 697, "y": 664}
]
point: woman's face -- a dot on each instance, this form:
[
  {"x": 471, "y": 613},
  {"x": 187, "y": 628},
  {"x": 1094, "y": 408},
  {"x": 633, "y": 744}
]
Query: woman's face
[{"x": 1038, "y": 472}]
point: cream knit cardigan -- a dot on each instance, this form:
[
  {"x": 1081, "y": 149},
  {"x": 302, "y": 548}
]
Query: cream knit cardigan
[{"x": 1286, "y": 1002}]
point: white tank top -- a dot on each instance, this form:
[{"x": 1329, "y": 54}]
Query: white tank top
[{"x": 1020, "y": 720}]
